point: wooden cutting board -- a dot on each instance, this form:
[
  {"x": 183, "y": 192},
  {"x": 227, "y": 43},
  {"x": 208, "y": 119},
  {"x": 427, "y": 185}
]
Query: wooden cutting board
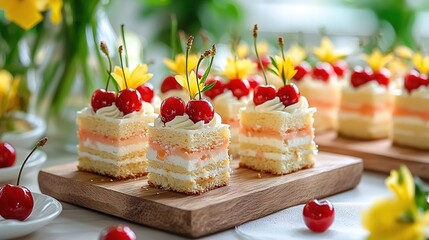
[
  {"x": 249, "y": 196},
  {"x": 377, "y": 155}
]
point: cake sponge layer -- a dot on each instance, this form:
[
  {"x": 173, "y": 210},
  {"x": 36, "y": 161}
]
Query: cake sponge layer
[
  {"x": 412, "y": 103},
  {"x": 199, "y": 186},
  {"x": 363, "y": 129},
  {"x": 409, "y": 140},
  {"x": 365, "y": 98},
  {"x": 126, "y": 171},
  {"x": 275, "y": 166}
]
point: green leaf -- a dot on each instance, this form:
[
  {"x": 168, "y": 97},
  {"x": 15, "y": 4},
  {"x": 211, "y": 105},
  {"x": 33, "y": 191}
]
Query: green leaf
[
  {"x": 208, "y": 87},
  {"x": 421, "y": 195},
  {"x": 273, "y": 62},
  {"x": 272, "y": 70}
]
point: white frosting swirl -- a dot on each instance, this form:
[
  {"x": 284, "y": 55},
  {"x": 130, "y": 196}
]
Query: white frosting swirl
[
  {"x": 276, "y": 105},
  {"x": 109, "y": 112},
  {"x": 368, "y": 87},
  {"x": 422, "y": 91},
  {"x": 184, "y": 123},
  {"x": 227, "y": 96},
  {"x": 112, "y": 112}
]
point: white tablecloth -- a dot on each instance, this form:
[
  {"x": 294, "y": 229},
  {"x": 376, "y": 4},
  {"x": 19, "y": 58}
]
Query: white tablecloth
[{"x": 79, "y": 223}]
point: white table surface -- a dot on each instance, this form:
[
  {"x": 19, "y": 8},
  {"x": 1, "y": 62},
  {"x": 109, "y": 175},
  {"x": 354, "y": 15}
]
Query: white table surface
[{"x": 80, "y": 223}]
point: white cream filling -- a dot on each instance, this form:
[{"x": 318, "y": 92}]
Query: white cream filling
[
  {"x": 190, "y": 165},
  {"x": 188, "y": 177},
  {"x": 379, "y": 116},
  {"x": 111, "y": 161},
  {"x": 295, "y": 142},
  {"x": 275, "y": 156},
  {"x": 411, "y": 120},
  {"x": 120, "y": 151}
]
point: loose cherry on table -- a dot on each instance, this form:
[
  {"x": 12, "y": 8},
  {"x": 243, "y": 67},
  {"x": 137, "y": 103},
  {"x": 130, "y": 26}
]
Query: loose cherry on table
[
  {"x": 340, "y": 68},
  {"x": 301, "y": 70},
  {"x": 7, "y": 155},
  {"x": 16, "y": 202},
  {"x": 318, "y": 215},
  {"x": 289, "y": 94},
  {"x": 323, "y": 71},
  {"x": 102, "y": 98},
  {"x": 170, "y": 83},
  {"x": 263, "y": 93},
  {"x": 217, "y": 89},
  {"x": 146, "y": 92},
  {"x": 118, "y": 232},
  {"x": 200, "y": 110},
  {"x": 414, "y": 80},
  {"x": 238, "y": 87},
  {"x": 172, "y": 107},
  {"x": 129, "y": 100}
]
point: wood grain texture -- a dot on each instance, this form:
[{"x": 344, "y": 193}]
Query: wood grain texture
[
  {"x": 248, "y": 196},
  {"x": 377, "y": 155}
]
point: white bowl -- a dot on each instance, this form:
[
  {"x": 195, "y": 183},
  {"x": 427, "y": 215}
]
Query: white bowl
[
  {"x": 45, "y": 210},
  {"x": 32, "y": 166},
  {"x": 27, "y": 139}
]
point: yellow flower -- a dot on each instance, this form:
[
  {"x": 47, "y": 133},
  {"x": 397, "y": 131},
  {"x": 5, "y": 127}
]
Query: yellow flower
[
  {"x": 377, "y": 60},
  {"x": 284, "y": 68},
  {"x": 8, "y": 92},
  {"x": 296, "y": 53},
  {"x": 421, "y": 63},
  {"x": 242, "y": 50},
  {"x": 192, "y": 88},
  {"x": 239, "y": 69},
  {"x": 27, "y": 13},
  {"x": 396, "y": 218},
  {"x": 403, "y": 52},
  {"x": 134, "y": 79},
  {"x": 178, "y": 65},
  {"x": 327, "y": 53}
]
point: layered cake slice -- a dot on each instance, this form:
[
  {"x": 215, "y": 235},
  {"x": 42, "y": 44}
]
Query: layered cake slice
[
  {"x": 411, "y": 108},
  {"x": 276, "y": 133},
  {"x": 188, "y": 144},
  {"x": 112, "y": 131},
  {"x": 366, "y": 104}
]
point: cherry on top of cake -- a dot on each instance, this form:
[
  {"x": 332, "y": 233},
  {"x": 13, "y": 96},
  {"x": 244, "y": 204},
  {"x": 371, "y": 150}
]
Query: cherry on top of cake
[
  {"x": 419, "y": 76},
  {"x": 330, "y": 61},
  {"x": 284, "y": 68},
  {"x": 375, "y": 71},
  {"x": 197, "y": 109},
  {"x": 131, "y": 85}
]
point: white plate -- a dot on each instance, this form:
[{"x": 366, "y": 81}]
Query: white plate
[
  {"x": 33, "y": 165},
  {"x": 27, "y": 139},
  {"x": 45, "y": 210}
]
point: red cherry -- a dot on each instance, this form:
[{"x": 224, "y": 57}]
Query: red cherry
[
  {"x": 170, "y": 83},
  {"x": 7, "y": 155},
  {"x": 217, "y": 89},
  {"x": 340, "y": 68},
  {"x": 323, "y": 71},
  {"x": 265, "y": 60},
  {"x": 360, "y": 76},
  {"x": 414, "y": 80},
  {"x": 382, "y": 76},
  {"x": 263, "y": 93},
  {"x": 254, "y": 81},
  {"x": 288, "y": 94},
  {"x": 118, "y": 232},
  {"x": 102, "y": 98},
  {"x": 238, "y": 87},
  {"x": 129, "y": 100},
  {"x": 318, "y": 215},
  {"x": 172, "y": 107},
  {"x": 302, "y": 70},
  {"x": 16, "y": 202},
  {"x": 146, "y": 92},
  {"x": 200, "y": 110}
]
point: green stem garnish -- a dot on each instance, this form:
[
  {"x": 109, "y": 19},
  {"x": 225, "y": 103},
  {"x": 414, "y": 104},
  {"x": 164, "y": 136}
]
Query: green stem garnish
[
  {"x": 282, "y": 45},
  {"x": 125, "y": 44},
  {"x": 204, "y": 55},
  {"x": 41, "y": 143},
  {"x": 188, "y": 48},
  {"x": 120, "y": 49},
  {"x": 105, "y": 50},
  {"x": 255, "y": 36}
]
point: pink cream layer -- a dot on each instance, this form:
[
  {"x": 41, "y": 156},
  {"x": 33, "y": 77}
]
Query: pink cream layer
[
  {"x": 285, "y": 136},
  {"x": 107, "y": 140},
  {"x": 233, "y": 123},
  {"x": 164, "y": 151}
]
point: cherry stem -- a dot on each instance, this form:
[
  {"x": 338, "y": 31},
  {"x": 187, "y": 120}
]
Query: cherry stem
[
  {"x": 125, "y": 44},
  {"x": 188, "y": 48},
  {"x": 121, "y": 48},
  {"x": 255, "y": 36},
  {"x": 196, "y": 74},
  {"x": 281, "y": 45},
  {"x": 105, "y": 50},
  {"x": 41, "y": 143}
]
